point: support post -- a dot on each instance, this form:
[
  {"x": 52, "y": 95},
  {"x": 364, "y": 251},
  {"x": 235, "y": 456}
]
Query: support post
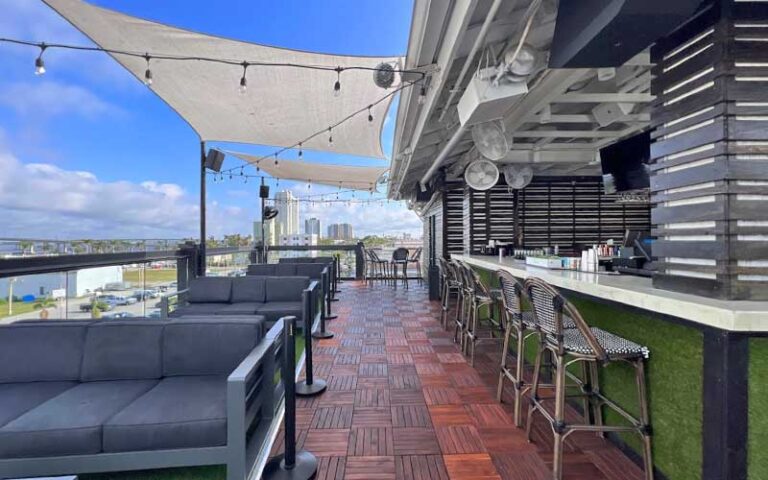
[
  {"x": 291, "y": 465},
  {"x": 327, "y": 314},
  {"x": 202, "y": 259},
  {"x": 323, "y": 333},
  {"x": 359, "y": 261},
  {"x": 310, "y": 386}
]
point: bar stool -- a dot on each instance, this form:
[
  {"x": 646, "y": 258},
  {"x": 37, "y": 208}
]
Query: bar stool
[
  {"x": 479, "y": 296},
  {"x": 399, "y": 259},
  {"x": 461, "y": 304},
  {"x": 518, "y": 326},
  {"x": 594, "y": 348},
  {"x": 450, "y": 285},
  {"x": 380, "y": 267},
  {"x": 416, "y": 258}
]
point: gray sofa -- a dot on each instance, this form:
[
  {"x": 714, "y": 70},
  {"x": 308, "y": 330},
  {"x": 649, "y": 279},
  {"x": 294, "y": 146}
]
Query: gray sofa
[
  {"x": 312, "y": 270},
  {"x": 271, "y": 297},
  {"x": 126, "y": 395}
]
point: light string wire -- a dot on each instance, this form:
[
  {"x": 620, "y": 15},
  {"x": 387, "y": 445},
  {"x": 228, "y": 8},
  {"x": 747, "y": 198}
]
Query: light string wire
[{"x": 44, "y": 46}]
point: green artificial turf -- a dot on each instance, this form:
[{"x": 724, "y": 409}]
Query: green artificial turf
[
  {"x": 214, "y": 472},
  {"x": 674, "y": 378},
  {"x": 758, "y": 406}
]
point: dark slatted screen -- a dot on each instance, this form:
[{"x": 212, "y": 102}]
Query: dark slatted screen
[{"x": 453, "y": 223}]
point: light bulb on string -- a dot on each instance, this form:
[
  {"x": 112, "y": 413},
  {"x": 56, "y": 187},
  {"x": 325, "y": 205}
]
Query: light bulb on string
[
  {"x": 277, "y": 162},
  {"x": 330, "y": 135},
  {"x": 422, "y": 95},
  {"x": 337, "y": 85},
  {"x": 301, "y": 154},
  {"x": 39, "y": 63},
  {"x": 243, "y": 80},
  {"x": 370, "y": 115},
  {"x": 147, "y": 73}
]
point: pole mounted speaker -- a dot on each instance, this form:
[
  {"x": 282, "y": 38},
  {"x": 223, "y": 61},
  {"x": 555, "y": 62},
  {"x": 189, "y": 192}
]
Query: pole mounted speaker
[
  {"x": 264, "y": 191},
  {"x": 269, "y": 213},
  {"x": 214, "y": 160}
]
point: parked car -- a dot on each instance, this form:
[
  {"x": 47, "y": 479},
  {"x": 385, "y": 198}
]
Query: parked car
[
  {"x": 118, "y": 315},
  {"x": 153, "y": 314},
  {"x": 117, "y": 299},
  {"x": 104, "y": 306},
  {"x": 141, "y": 295}
]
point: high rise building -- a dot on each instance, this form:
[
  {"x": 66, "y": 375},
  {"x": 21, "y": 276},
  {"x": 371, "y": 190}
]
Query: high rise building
[
  {"x": 312, "y": 227},
  {"x": 302, "y": 240},
  {"x": 287, "y": 220},
  {"x": 269, "y": 232},
  {"x": 340, "y": 231}
]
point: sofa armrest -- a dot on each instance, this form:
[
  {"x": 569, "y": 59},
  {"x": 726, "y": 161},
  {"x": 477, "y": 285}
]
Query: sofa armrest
[
  {"x": 309, "y": 299},
  {"x": 253, "y": 394},
  {"x": 165, "y": 301}
]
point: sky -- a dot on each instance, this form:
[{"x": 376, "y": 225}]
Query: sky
[{"x": 88, "y": 151}]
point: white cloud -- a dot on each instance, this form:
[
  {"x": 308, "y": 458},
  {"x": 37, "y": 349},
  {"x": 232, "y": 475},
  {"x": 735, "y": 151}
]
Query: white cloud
[
  {"x": 45, "y": 201},
  {"x": 49, "y": 99}
]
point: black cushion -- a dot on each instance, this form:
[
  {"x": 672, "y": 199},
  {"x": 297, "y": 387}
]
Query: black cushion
[
  {"x": 18, "y": 398},
  {"x": 210, "y": 290},
  {"x": 248, "y": 289},
  {"x": 179, "y": 412},
  {"x": 36, "y": 353},
  {"x": 69, "y": 423},
  {"x": 273, "y": 311},
  {"x": 285, "y": 289},
  {"x": 198, "y": 309},
  {"x": 262, "y": 269},
  {"x": 311, "y": 270},
  {"x": 242, "y": 308},
  {"x": 122, "y": 351}
]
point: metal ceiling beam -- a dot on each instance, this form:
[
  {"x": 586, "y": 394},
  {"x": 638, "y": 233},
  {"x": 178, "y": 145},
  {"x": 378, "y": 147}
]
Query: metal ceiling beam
[
  {"x": 605, "y": 97},
  {"x": 566, "y": 134},
  {"x": 585, "y": 118}
]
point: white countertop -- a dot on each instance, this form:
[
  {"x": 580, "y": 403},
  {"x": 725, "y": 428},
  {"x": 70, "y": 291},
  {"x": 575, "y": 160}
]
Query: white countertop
[{"x": 639, "y": 292}]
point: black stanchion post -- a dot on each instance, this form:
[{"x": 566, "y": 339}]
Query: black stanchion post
[
  {"x": 327, "y": 298},
  {"x": 335, "y": 278},
  {"x": 323, "y": 333},
  {"x": 311, "y": 386},
  {"x": 291, "y": 465}
]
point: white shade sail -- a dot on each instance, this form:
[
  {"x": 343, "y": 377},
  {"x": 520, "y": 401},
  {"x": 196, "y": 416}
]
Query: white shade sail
[
  {"x": 343, "y": 176},
  {"x": 282, "y": 105}
]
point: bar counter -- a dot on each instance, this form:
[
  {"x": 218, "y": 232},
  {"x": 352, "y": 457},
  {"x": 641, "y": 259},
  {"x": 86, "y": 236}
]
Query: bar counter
[
  {"x": 707, "y": 371},
  {"x": 639, "y": 293}
]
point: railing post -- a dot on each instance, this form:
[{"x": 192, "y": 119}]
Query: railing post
[
  {"x": 292, "y": 465},
  {"x": 322, "y": 333},
  {"x": 311, "y": 386},
  {"x": 359, "y": 261}
]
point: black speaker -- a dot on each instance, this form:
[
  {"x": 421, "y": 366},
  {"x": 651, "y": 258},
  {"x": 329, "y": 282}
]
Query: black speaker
[
  {"x": 264, "y": 191},
  {"x": 607, "y": 33},
  {"x": 214, "y": 160}
]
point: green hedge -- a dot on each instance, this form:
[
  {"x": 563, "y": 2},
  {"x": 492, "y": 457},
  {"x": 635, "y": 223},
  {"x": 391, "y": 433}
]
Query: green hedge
[{"x": 758, "y": 408}]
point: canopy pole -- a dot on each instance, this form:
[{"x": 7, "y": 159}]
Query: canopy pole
[
  {"x": 202, "y": 260},
  {"x": 263, "y": 230}
]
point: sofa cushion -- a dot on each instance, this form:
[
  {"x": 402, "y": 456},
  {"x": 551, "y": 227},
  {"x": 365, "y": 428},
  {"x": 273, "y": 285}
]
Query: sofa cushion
[
  {"x": 210, "y": 290},
  {"x": 273, "y": 311},
  {"x": 37, "y": 353},
  {"x": 197, "y": 309},
  {"x": 213, "y": 347},
  {"x": 69, "y": 423},
  {"x": 179, "y": 412},
  {"x": 262, "y": 269},
  {"x": 285, "y": 270},
  {"x": 248, "y": 289},
  {"x": 242, "y": 308},
  {"x": 311, "y": 270},
  {"x": 285, "y": 289},
  {"x": 18, "y": 398},
  {"x": 123, "y": 351}
]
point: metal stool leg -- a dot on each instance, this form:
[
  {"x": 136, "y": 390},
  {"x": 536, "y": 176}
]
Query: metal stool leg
[
  {"x": 559, "y": 432},
  {"x": 642, "y": 398}
]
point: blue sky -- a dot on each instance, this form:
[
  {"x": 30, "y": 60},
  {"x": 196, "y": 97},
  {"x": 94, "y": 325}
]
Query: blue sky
[{"x": 88, "y": 151}]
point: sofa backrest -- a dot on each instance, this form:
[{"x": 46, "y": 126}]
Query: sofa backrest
[
  {"x": 311, "y": 270},
  {"x": 208, "y": 347},
  {"x": 285, "y": 270},
  {"x": 325, "y": 260},
  {"x": 122, "y": 350},
  {"x": 286, "y": 289},
  {"x": 264, "y": 269},
  {"x": 41, "y": 352},
  {"x": 249, "y": 289},
  {"x": 210, "y": 290}
]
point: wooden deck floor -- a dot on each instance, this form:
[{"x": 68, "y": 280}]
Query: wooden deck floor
[{"x": 403, "y": 403}]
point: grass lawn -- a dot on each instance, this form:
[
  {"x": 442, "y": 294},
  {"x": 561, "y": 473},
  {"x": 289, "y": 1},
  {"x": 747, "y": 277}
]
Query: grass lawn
[
  {"x": 18, "y": 308},
  {"x": 153, "y": 276},
  {"x": 216, "y": 472}
]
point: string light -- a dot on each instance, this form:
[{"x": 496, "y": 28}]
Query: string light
[
  {"x": 301, "y": 154},
  {"x": 370, "y": 115},
  {"x": 148, "y": 72},
  {"x": 243, "y": 80},
  {"x": 39, "y": 63},
  {"x": 422, "y": 95},
  {"x": 337, "y": 85},
  {"x": 330, "y": 135},
  {"x": 276, "y": 161}
]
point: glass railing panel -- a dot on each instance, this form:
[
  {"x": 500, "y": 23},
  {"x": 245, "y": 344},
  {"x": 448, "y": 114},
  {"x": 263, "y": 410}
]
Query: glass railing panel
[{"x": 33, "y": 297}]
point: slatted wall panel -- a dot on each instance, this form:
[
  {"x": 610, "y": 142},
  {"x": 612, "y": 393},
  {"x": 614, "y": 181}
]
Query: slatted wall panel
[
  {"x": 710, "y": 177},
  {"x": 573, "y": 212},
  {"x": 436, "y": 213},
  {"x": 568, "y": 212},
  {"x": 453, "y": 221}
]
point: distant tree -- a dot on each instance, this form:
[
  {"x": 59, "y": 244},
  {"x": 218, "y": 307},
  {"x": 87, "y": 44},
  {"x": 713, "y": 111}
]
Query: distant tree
[
  {"x": 43, "y": 304},
  {"x": 26, "y": 246}
]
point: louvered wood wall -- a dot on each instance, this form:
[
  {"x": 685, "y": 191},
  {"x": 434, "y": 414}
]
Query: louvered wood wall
[{"x": 710, "y": 177}]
